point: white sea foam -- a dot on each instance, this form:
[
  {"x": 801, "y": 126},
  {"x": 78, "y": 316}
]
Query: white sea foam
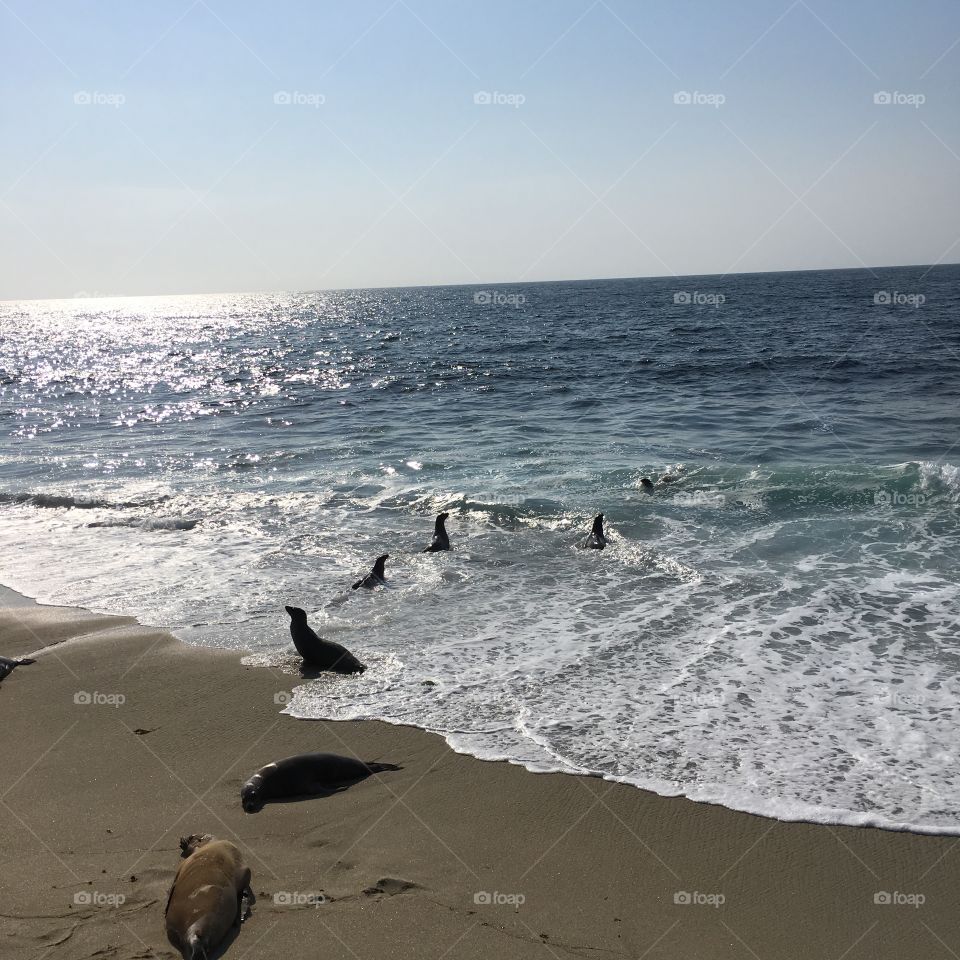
[{"x": 797, "y": 662}]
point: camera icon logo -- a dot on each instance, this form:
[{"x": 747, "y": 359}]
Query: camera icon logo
[
  {"x": 282, "y": 97},
  {"x": 882, "y": 97},
  {"x": 483, "y": 98},
  {"x": 82, "y": 98},
  {"x": 681, "y": 297},
  {"x": 682, "y": 97},
  {"x": 282, "y": 698}
]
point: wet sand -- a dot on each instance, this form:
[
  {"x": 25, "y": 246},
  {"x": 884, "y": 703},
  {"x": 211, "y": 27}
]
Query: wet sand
[{"x": 120, "y": 740}]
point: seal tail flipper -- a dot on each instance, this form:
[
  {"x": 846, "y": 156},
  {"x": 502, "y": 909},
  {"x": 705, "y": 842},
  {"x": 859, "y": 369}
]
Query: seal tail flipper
[
  {"x": 375, "y": 767},
  {"x": 25, "y": 662}
]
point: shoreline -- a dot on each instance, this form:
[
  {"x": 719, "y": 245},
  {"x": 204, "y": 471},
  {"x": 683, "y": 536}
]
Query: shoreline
[
  {"x": 831, "y": 817},
  {"x": 449, "y": 856}
]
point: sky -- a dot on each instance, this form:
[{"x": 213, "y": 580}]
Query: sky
[{"x": 190, "y": 146}]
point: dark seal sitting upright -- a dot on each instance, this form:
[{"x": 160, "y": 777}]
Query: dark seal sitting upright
[
  {"x": 596, "y": 540},
  {"x": 375, "y": 577},
  {"x": 440, "y": 539},
  {"x": 319, "y": 653},
  {"x": 7, "y": 666},
  {"x": 306, "y": 775}
]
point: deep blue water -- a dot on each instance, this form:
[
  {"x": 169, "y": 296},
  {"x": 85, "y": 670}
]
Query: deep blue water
[{"x": 774, "y": 628}]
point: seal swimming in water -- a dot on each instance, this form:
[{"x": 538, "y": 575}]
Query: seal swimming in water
[
  {"x": 596, "y": 540},
  {"x": 440, "y": 539},
  {"x": 646, "y": 483},
  {"x": 376, "y": 576},
  {"x": 306, "y": 775},
  {"x": 206, "y": 899},
  {"x": 7, "y": 666},
  {"x": 317, "y": 652}
]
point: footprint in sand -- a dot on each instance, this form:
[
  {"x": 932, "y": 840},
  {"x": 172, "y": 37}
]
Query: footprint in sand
[{"x": 390, "y": 887}]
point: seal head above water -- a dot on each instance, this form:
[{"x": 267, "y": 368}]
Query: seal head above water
[
  {"x": 440, "y": 539},
  {"x": 597, "y": 540},
  {"x": 376, "y": 576}
]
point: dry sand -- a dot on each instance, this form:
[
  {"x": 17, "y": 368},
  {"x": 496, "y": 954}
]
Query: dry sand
[{"x": 96, "y": 795}]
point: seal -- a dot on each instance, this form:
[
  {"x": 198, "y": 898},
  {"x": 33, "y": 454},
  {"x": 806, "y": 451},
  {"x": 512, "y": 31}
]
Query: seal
[
  {"x": 7, "y": 666},
  {"x": 646, "y": 483},
  {"x": 597, "y": 540},
  {"x": 319, "y": 653},
  {"x": 440, "y": 539},
  {"x": 375, "y": 577},
  {"x": 206, "y": 899},
  {"x": 303, "y": 776}
]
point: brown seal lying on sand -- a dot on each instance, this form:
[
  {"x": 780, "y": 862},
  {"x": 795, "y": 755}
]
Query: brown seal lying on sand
[{"x": 206, "y": 899}]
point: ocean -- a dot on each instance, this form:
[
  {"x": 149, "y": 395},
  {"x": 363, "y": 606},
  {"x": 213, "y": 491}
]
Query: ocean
[{"x": 773, "y": 628}]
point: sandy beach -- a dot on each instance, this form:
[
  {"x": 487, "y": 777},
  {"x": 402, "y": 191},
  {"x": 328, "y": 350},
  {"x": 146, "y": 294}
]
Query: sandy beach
[{"x": 120, "y": 739}]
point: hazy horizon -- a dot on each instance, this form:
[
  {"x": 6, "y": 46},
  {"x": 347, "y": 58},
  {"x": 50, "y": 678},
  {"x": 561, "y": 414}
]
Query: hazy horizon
[
  {"x": 186, "y": 149},
  {"x": 86, "y": 295}
]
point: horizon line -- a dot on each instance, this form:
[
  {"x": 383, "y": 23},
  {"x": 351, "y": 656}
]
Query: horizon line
[{"x": 478, "y": 283}]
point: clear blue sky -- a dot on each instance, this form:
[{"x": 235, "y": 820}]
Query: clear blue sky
[{"x": 182, "y": 173}]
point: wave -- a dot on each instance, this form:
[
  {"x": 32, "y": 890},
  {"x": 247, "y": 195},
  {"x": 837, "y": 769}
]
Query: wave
[
  {"x": 564, "y": 501},
  {"x": 65, "y": 501},
  {"x": 55, "y": 501},
  {"x": 170, "y": 523}
]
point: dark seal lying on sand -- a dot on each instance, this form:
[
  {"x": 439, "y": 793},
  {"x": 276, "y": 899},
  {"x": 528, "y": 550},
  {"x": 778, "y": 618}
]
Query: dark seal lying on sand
[{"x": 303, "y": 776}]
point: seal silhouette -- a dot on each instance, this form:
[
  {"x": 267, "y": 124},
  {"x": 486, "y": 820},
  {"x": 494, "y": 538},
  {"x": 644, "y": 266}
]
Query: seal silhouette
[
  {"x": 440, "y": 539},
  {"x": 597, "y": 540},
  {"x": 375, "y": 577},
  {"x": 319, "y": 653},
  {"x": 646, "y": 483},
  {"x": 206, "y": 899},
  {"x": 7, "y": 666},
  {"x": 305, "y": 775}
]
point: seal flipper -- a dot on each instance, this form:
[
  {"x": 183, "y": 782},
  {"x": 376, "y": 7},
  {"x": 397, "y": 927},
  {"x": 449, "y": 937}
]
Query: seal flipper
[
  {"x": 8, "y": 665},
  {"x": 245, "y": 899},
  {"x": 375, "y": 767}
]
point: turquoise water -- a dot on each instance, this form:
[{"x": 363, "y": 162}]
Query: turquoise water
[{"x": 775, "y": 628}]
